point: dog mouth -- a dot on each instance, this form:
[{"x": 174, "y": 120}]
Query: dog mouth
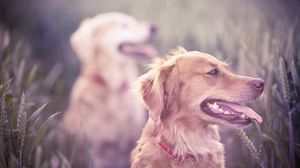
[
  {"x": 138, "y": 50},
  {"x": 231, "y": 112}
]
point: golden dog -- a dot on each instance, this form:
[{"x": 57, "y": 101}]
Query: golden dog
[
  {"x": 102, "y": 112},
  {"x": 187, "y": 96}
]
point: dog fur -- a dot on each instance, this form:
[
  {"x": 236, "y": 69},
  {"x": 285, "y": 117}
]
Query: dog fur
[
  {"x": 102, "y": 112},
  {"x": 173, "y": 91}
]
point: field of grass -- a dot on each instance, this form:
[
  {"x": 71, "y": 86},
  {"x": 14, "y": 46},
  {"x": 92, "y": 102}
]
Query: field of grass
[{"x": 257, "y": 38}]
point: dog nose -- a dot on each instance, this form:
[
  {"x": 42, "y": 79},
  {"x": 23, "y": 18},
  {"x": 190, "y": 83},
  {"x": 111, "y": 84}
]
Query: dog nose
[
  {"x": 258, "y": 84},
  {"x": 153, "y": 29}
]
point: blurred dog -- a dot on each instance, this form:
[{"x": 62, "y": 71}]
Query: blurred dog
[
  {"x": 102, "y": 110},
  {"x": 187, "y": 96}
]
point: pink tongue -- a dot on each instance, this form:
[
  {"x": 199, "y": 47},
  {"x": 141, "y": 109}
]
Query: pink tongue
[
  {"x": 140, "y": 49},
  {"x": 245, "y": 110}
]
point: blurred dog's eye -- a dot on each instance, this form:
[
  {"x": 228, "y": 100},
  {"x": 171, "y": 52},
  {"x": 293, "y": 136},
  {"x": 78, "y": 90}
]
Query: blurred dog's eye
[{"x": 214, "y": 72}]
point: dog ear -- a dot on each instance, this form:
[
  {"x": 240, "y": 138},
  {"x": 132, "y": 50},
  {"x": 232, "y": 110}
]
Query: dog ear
[
  {"x": 158, "y": 88},
  {"x": 81, "y": 42},
  {"x": 176, "y": 51}
]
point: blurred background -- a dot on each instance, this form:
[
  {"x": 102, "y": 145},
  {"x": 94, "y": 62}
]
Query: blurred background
[{"x": 259, "y": 38}]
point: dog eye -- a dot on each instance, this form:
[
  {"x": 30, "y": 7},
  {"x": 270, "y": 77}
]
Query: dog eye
[{"x": 214, "y": 72}]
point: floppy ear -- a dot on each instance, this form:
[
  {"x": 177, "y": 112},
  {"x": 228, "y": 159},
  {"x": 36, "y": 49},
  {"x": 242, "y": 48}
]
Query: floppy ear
[
  {"x": 82, "y": 42},
  {"x": 176, "y": 51},
  {"x": 158, "y": 88}
]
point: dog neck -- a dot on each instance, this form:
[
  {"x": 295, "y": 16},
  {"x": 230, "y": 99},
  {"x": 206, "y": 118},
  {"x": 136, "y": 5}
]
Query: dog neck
[
  {"x": 184, "y": 141},
  {"x": 165, "y": 148},
  {"x": 100, "y": 81},
  {"x": 117, "y": 77}
]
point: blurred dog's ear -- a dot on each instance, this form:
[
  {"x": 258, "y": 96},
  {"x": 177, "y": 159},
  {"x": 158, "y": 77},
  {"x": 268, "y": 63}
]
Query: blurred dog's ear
[
  {"x": 82, "y": 42},
  {"x": 158, "y": 88}
]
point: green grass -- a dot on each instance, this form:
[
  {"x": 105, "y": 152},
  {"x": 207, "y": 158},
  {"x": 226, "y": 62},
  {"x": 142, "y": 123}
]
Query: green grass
[
  {"x": 22, "y": 127},
  {"x": 255, "y": 42}
]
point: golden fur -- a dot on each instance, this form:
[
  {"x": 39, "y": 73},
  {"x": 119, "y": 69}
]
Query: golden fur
[
  {"x": 102, "y": 112},
  {"x": 173, "y": 90}
]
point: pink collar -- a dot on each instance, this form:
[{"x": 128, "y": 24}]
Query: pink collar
[
  {"x": 97, "y": 79},
  {"x": 171, "y": 154}
]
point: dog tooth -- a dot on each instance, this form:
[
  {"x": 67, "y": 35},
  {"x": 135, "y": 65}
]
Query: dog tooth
[
  {"x": 216, "y": 105},
  {"x": 211, "y": 106},
  {"x": 226, "y": 112},
  {"x": 243, "y": 116}
]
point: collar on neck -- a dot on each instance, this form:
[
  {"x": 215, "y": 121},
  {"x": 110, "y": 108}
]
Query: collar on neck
[
  {"x": 171, "y": 153},
  {"x": 99, "y": 80}
]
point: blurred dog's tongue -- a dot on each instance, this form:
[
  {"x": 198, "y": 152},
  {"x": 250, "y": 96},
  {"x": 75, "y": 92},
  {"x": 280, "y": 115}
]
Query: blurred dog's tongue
[
  {"x": 245, "y": 110},
  {"x": 143, "y": 50}
]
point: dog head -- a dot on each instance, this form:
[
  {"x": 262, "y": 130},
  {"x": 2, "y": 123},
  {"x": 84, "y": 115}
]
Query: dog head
[
  {"x": 194, "y": 87},
  {"x": 117, "y": 35}
]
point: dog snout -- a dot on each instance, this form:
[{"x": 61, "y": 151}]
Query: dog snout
[{"x": 257, "y": 84}]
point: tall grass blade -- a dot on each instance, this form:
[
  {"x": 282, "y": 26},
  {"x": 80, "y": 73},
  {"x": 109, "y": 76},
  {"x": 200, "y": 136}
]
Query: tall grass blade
[
  {"x": 65, "y": 163},
  {"x": 74, "y": 150},
  {"x": 42, "y": 130},
  {"x": 295, "y": 74},
  {"x": 32, "y": 75},
  {"x": 21, "y": 127},
  {"x": 4, "y": 117},
  {"x": 291, "y": 140},
  {"x": 285, "y": 88},
  {"x": 4, "y": 88},
  {"x": 249, "y": 144},
  {"x": 38, "y": 157},
  {"x": 36, "y": 113},
  {"x": 20, "y": 74},
  {"x": 12, "y": 162}
]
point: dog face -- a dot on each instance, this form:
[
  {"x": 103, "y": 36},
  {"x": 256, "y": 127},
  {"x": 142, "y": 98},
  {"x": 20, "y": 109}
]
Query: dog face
[
  {"x": 194, "y": 87},
  {"x": 113, "y": 34}
]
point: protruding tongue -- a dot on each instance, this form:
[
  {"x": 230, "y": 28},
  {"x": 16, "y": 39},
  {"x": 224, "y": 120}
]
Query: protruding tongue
[
  {"x": 144, "y": 50},
  {"x": 243, "y": 109}
]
